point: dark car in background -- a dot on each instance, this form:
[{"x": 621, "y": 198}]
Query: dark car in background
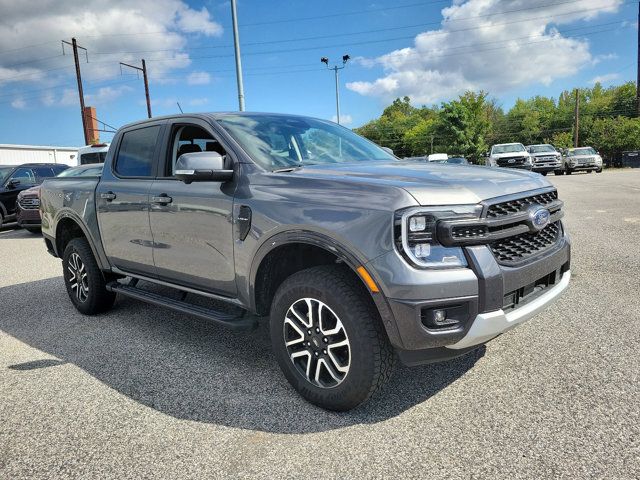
[
  {"x": 28, "y": 203},
  {"x": 457, "y": 161},
  {"x": 17, "y": 178}
]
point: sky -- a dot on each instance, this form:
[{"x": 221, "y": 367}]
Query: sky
[{"x": 429, "y": 50}]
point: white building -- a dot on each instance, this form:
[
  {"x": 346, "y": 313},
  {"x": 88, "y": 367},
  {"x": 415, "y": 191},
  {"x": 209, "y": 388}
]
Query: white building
[{"x": 19, "y": 154}]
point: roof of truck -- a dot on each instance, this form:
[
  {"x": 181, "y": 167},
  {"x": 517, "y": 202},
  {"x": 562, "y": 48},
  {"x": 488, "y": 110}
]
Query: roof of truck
[{"x": 213, "y": 115}]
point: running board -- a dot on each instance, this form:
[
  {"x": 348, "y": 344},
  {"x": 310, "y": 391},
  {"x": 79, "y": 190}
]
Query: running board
[{"x": 239, "y": 322}]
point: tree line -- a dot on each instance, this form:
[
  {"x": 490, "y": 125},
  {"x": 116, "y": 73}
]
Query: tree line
[{"x": 470, "y": 124}]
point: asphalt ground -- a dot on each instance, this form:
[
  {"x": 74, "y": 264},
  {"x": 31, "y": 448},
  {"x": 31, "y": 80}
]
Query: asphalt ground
[{"x": 142, "y": 392}]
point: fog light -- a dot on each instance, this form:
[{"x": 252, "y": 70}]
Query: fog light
[{"x": 439, "y": 316}]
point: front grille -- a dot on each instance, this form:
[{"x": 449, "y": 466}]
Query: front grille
[
  {"x": 29, "y": 203},
  {"x": 507, "y": 161},
  {"x": 517, "y": 206},
  {"x": 546, "y": 160},
  {"x": 472, "y": 231},
  {"x": 521, "y": 247}
]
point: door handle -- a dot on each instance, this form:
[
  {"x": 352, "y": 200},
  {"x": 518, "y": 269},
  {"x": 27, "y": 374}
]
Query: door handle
[
  {"x": 162, "y": 199},
  {"x": 109, "y": 196}
]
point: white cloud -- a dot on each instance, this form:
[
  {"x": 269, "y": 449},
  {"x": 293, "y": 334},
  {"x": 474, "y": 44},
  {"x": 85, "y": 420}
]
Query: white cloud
[
  {"x": 606, "y": 78},
  {"x": 110, "y": 30},
  {"x": 198, "y": 78},
  {"x": 198, "y": 102},
  {"x": 19, "y": 103},
  {"x": 105, "y": 95},
  {"x": 344, "y": 119},
  {"x": 492, "y": 52}
]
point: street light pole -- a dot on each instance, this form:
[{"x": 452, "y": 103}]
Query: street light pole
[
  {"x": 236, "y": 44},
  {"x": 335, "y": 68}
]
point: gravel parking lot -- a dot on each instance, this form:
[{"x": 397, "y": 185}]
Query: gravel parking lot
[{"x": 142, "y": 392}]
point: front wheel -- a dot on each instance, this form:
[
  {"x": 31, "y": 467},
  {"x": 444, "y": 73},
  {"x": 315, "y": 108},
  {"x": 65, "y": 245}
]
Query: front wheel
[
  {"x": 599, "y": 170},
  {"x": 328, "y": 338},
  {"x": 569, "y": 172},
  {"x": 558, "y": 172},
  {"x": 544, "y": 174},
  {"x": 84, "y": 280}
]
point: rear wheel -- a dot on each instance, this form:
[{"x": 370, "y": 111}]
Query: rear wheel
[
  {"x": 328, "y": 338},
  {"x": 84, "y": 280},
  {"x": 568, "y": 170}
]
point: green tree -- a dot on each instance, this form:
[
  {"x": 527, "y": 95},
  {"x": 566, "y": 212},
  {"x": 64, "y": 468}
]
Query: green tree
[{"x": 465, "y": 124}]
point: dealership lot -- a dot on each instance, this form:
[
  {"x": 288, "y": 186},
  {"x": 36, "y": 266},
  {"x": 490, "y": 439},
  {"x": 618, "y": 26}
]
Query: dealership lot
[{"x": 145, "y": 392}]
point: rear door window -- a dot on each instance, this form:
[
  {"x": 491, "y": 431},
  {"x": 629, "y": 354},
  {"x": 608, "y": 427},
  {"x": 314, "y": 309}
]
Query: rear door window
[
  {"x": 43, "y": 172},
  {"x": 136, "y": 153}
]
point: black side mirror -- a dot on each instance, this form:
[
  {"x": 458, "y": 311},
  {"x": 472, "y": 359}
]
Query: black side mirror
[
  {"x": 202, "y": 167},
  {"x": 13, "y": 183}
]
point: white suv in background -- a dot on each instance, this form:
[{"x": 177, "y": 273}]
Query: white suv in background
[
  {"x": 583, "y": 159},
  {"x": 509, "y": 155}
]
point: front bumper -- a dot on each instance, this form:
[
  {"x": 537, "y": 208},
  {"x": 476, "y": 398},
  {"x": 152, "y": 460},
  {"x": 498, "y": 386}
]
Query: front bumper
[
  {"x": 491, "y": 324},
  {"x": 476, "y": 293},
  {"x": 547, "y": 167},
  {"x": 27, "y": 217},
  {"x": 581, "y": 168}
]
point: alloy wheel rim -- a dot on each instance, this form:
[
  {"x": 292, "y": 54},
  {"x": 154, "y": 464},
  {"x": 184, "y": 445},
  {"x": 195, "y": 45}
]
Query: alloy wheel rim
[
  {"x": 317, "y": 343},
  {"x": 78, "y": 279}
]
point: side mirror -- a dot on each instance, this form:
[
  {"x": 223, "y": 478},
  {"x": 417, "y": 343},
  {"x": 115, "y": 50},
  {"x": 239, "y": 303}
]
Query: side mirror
[
  {"x": 202, "y": 167},
  {"x": 13, "y": 183},
  {"x": 388, "y": 150}
]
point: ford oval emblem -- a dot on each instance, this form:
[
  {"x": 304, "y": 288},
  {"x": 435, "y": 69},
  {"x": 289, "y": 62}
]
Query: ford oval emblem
[{"x": 538, "y": 217}]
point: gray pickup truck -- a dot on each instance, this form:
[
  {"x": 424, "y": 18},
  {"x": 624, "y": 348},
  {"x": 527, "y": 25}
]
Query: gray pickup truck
[{"x": 354, "y": 257}]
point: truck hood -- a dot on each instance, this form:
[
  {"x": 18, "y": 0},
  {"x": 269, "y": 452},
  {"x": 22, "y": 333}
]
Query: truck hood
[
  {"x": 545, "y": 154},
  {"x": 432, "y": 183}
]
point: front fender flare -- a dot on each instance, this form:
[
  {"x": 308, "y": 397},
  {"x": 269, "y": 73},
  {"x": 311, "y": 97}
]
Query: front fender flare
[{"x": 343, "y": 253}]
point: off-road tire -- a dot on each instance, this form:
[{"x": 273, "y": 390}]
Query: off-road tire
[
  {"x": 371, "y": 355},
  {"x": 98, "y": 298}
]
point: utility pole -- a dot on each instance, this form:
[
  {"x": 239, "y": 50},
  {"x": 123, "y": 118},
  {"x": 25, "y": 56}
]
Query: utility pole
[
  {"x": 236, "y": 45},
  {"x": 576, "y": 121},
  {"x": 75, "y": 47},
  {"x": 146, "y": 82},
  {"x": 638, "y": 69},
  {"x": 335, "y": 68}
]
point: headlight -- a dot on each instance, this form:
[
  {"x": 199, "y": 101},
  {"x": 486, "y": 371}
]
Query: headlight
[
  {"x": 529, "y": 160},
  {"x": 416, "y": 236}
]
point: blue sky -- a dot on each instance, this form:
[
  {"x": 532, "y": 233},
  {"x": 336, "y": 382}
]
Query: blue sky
[{"x": 430, "y": 50}]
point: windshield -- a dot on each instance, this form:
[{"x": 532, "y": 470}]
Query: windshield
[
  {"x": 582, "y": 151},
  {"x": 279, "y": 141},
  {"x": 95, "y": 171},
  {"x": 509, "y": 148},
  {"x": 4, "y": 173},
  {"x": 457, "y": 160},
  {"x": 541, "y": 148}
]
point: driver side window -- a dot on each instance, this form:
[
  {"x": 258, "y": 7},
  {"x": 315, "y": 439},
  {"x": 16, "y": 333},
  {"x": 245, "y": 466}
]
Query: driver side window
[
  {"x": 24, "y": 176},
  {"x": 190, "y": 139}
]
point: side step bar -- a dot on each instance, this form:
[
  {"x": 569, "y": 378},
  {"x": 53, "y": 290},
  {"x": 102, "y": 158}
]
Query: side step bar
[{"x": 234, "y": 321}]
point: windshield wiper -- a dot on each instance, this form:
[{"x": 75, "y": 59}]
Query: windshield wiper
[{"x": 286, "y": 169}]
